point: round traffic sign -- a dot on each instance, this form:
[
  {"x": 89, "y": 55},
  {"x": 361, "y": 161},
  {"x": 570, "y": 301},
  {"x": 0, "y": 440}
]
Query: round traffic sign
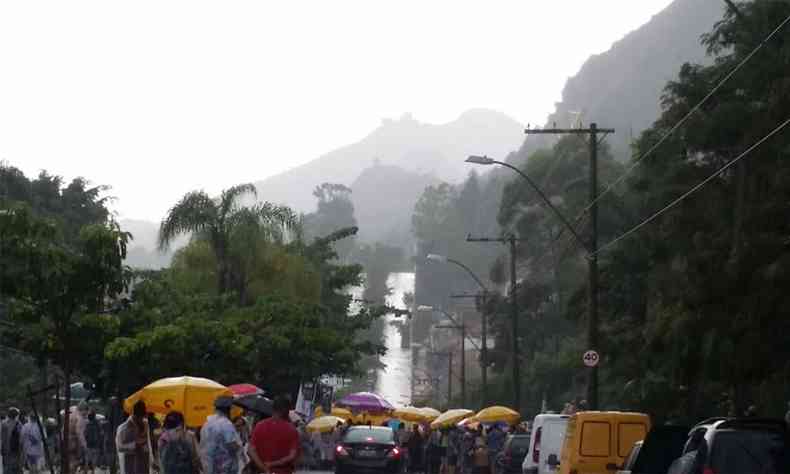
[{"x": 591, "y": 358}]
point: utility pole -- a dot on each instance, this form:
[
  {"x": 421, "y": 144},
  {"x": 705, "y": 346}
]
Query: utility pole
[
  {"x": 461, "y": 327},
  {"x": 449, "y": 355},
  {"x": 592, "y": 262},
  {"x": 449, "y": 379},
  {"x": 511, "y": 240},
  {"x": 591, "y": 246},
  {"x": 514, "y": 317},
  {"x": 484, "y": 357},
  {"x": 484, "y": 346}
]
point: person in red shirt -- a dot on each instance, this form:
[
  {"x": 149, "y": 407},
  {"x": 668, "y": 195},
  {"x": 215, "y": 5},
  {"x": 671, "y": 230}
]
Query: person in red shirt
[{"x": 274, "y": 446}]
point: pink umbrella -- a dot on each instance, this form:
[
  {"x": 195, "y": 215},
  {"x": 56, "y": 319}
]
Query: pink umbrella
[
  {"x": 245, "y": 390},
  {"x": 365, "y": 401}
]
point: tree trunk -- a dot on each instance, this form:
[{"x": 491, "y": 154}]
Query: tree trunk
[
  {"x": 65, "y": 468},
  {"x": 694, "y": 376},
  {"x": 738, "y": 209}
]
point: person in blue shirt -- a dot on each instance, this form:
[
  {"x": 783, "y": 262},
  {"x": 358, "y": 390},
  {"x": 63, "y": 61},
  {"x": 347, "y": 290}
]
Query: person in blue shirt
[{"x": 495, "y": 441}]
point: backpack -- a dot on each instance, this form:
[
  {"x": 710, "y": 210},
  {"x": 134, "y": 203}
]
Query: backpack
[
  {"x": 177, "y": 457},
  {"x": 15, "y": 440},
  {"x": 92, "y": 435}
]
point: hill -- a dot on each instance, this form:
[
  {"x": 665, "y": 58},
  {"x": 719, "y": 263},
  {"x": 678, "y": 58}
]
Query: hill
[
  {"x": 384, "y": 197},
  {"x": 622, "y": 87},
  {"x": 414, "y": 146}
]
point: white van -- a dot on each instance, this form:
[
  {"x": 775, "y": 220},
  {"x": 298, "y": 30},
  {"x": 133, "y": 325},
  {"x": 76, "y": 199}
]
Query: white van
[{"x": 548, "y": 433}]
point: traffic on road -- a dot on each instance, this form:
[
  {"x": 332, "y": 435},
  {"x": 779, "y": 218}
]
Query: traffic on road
[{"x": 189, "y": 425}]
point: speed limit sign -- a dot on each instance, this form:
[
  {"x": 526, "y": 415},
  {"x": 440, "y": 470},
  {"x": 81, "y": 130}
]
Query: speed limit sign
[{"x": 591, "y": 358}]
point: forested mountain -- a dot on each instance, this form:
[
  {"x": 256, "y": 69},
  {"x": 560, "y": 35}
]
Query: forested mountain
[
  {"x": 694, "y": 259},
  {"x": 387, "y": 171},
  {"x": 621, "y": 88},
  {"x": 414, "y": 146},
  {"x": 384, "y": 197}
]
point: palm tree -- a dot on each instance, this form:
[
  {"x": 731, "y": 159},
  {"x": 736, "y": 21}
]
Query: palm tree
[{"x": 228, "y": 226}]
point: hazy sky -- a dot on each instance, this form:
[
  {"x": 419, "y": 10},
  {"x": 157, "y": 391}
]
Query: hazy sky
[{"x": 156, "y": 98}]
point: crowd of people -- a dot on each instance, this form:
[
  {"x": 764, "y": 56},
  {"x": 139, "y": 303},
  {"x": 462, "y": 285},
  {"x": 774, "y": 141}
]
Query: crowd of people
[
  {"x": 471, "y": 450},
  {"x": 443, "y": 451},
  {"x": 142, "y": 445},
  {"x": 228, "y": 445}
]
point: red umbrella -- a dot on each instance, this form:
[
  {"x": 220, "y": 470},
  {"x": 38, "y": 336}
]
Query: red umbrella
[{"x": 245, "y": 390}]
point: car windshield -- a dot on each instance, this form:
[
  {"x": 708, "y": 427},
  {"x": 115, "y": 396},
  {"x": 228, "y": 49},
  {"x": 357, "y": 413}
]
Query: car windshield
[
  {"x": 369, "y": 435},
  {"x": 750, "y": 452}
]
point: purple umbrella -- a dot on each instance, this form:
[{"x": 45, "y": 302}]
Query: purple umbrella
[{"x": 365, "y": 401}]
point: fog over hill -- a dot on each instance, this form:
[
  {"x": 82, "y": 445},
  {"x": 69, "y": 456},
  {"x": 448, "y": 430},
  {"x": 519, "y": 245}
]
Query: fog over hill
[
  {"x": 622, "y": 87},
  {"x": 414, "y": 146},
  {"x": 388, "y": 169}
]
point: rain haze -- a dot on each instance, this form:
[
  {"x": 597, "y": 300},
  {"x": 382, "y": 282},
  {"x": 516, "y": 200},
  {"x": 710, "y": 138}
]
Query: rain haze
[{"x": 159, "y": 98}]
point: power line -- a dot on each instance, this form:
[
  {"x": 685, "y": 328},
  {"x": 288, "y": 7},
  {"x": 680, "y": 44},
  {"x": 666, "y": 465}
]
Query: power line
[
  {"x": 692, "y": 190},
  {"x": 683, "y": 120}
]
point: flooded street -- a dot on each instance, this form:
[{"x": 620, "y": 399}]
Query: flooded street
[{"x": 394, "y": 382}]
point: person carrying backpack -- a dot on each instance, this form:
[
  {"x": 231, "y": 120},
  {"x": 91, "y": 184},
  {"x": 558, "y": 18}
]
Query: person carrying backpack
[
  {"x": 178, "y": 451},
  {"x": 11, "y": 443},
  {"x": 93, "y": 442}
]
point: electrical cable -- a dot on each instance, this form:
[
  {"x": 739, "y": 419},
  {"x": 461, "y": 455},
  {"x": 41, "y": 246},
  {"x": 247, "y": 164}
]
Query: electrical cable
[
  {"x": 690, "y": 191},
  {"x": 683, "y": 120}
]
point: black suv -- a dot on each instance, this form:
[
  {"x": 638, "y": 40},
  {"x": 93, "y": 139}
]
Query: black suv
[
  {"x": 736, "y": 446},
  {"x": 661, "y": 446}
]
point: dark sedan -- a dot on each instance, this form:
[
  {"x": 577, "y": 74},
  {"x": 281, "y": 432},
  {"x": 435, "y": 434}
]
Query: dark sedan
[
  {"x": 512, "y": 456},
  {"x": 368, "y": 449}
]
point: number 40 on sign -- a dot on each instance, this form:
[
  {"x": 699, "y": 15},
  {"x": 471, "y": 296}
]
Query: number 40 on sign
[{"x": 591, "y": 358}]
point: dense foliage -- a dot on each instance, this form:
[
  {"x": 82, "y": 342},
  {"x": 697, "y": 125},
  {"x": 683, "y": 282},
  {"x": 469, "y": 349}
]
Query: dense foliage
[
  {"x": 248, "y": 299},
  {"x": 692, "y": 304}
]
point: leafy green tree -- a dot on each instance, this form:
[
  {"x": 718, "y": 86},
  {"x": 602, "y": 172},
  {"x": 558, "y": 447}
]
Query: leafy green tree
[
  {"x": 335, "y": 211},
  {"x": 58, "y": 289},
  {"x": 704, "y": 282},
  {"x": 178, "y": 324},
  {"x": 230, "y": 228}
]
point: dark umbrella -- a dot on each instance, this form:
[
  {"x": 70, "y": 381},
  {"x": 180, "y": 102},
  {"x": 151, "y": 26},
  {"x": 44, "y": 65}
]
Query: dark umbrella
[{"x": 256, "y": 403}]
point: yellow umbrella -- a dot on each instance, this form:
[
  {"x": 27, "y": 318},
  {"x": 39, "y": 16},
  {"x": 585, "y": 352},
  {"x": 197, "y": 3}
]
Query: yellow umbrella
[
  {"x": 336, "y": 411},
  {"x": 192, "y": 396},
  {"x": 409, "y": 414},
  {"x": 430, "y": 413},
  {"x": 498, "y": 414},
  {"x": 451, "y": 417},
  {"x": 366, "y": 418},
  {"x": 324, "y": 424}
]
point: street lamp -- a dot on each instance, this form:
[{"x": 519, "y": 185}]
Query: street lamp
[
  {"x": 484, "y": 320},
  {"x": 590, "y": 247},
  {"x": 484, "y": 160},
  {"x": 444, "y": 259},
  {"x": 461, "y": 327}
]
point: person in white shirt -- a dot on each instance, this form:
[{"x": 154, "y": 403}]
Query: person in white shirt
[
  {"x": 32, "y": 444},
  {"x": 133, "y": 442}
]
